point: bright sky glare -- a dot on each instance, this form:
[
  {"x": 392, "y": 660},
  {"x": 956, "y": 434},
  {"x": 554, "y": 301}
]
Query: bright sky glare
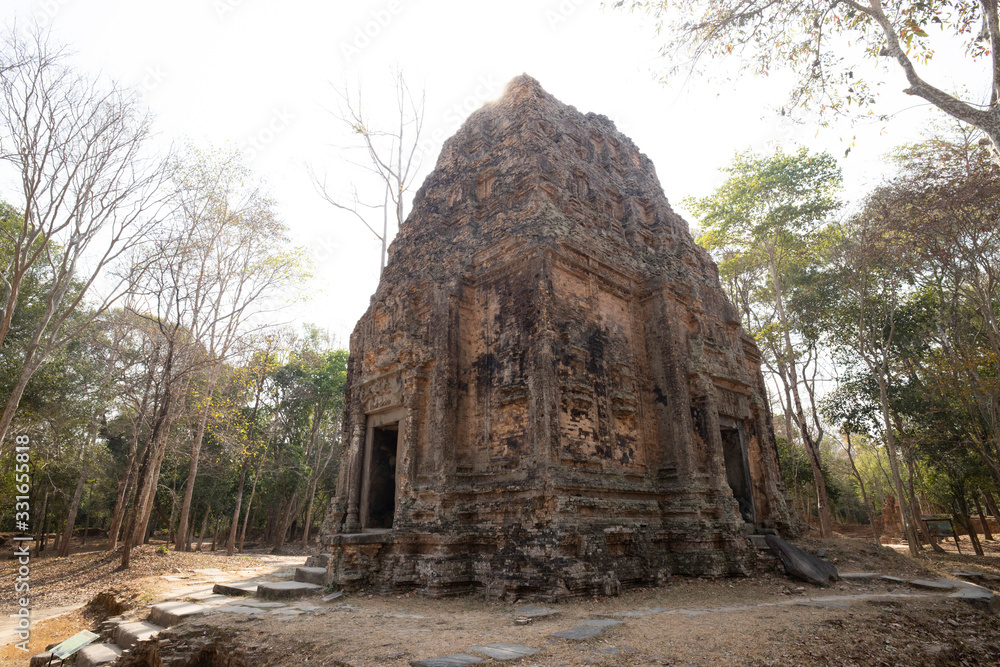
[{"x": 261, "y": 74}]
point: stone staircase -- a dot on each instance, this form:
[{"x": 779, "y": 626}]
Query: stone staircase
[{"x": 123, "y": 633}]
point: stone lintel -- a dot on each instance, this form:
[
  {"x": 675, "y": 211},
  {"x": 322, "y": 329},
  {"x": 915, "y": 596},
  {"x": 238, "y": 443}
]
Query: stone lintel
[{"x": 381, "y": 537}]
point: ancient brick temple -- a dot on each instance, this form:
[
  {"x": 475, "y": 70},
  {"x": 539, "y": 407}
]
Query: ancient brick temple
[{"x": 550, "y": 394}]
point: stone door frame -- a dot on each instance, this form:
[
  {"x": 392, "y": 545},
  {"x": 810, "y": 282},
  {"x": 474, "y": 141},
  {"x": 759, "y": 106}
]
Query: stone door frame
[
  {"x": 738, "y": 426},
  {"x": 373, "y": 421}
]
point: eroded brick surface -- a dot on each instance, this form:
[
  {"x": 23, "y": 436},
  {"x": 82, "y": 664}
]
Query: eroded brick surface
[{"x": 550, "y": 394}]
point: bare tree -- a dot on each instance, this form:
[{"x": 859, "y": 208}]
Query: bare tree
[
  {"x": 825, "y": 42},
  {"x": 87, "y": 188},
  {"x": 391, "y": 155},
  {"x": 214, "y": 264},
  {"x": 238, "y": 265}
]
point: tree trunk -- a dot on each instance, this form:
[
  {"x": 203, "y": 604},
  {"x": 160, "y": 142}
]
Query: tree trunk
[
  {"x": 204, "y": 526},
  {"x": 147, "y": 491},
  {"x": 74, "y": 505},
  {"x": 195, "y": 458},
  {"x": 126, "y": 487},
  {"x": 10, "y": 408},
  {"x": 915, "y": 507},
  {"x": 890, "y": 440},
  {"x": 869, "y": 506},
  {"x": 990, "y": 504},
  {"x": 133, "y": 522},
  {"x": 966, "y": 521},
  {"x": 982, "y": 517},
  {"x": 215, "y": 535},
  {"x": 253, "y": 490},
  {"x": 150, "y": 476},
  {"x": 811, "y": 446},
  {"x": 308, "y": 518},
  {"x": 286, "y": 520},
  {"x": 40, "y": 533},
  {"x": 170, "y": 523},
  {"x": 231, "y": 539},
  {"x": 86, "y": 526}
]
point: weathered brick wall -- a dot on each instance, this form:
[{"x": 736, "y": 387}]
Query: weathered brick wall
[{"x": 570, "y": 383}]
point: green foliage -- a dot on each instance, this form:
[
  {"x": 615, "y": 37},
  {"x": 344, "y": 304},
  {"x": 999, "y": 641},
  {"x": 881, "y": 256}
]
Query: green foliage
[{"x": 769, "y": 200}]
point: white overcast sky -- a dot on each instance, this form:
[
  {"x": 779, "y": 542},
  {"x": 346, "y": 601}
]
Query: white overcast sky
[{"x": 218, "y": 71}]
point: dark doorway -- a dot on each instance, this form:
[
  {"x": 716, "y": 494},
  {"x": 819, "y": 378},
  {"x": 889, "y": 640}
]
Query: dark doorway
[
  {"x": 382, "y": 476},
  {"x": 737, "y": 471}
]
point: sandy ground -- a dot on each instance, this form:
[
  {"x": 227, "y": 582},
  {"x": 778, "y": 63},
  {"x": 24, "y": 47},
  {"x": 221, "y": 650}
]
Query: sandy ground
[
  {"x": 62, "y": 587},
  {"x": 764, "y": 619}
]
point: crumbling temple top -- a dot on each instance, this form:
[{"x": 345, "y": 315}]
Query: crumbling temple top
[{"x": 550, "y": 393}]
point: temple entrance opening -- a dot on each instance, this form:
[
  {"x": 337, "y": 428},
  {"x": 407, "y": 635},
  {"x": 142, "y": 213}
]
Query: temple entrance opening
[
  {"x": 381, "y": 503},
  {"x": 737, "y": 471}
]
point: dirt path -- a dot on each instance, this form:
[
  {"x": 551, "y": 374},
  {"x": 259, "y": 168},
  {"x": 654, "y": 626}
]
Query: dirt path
[
  {"x": 62, "y": 587},
  {"x": 743, "y": 622},
  {"x": 762, "y": 620}
]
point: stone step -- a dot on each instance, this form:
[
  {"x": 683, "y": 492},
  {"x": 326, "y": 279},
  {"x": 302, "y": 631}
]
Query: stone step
[
  {"x": 319, "y": 560},
  {"x": 166, "y": 614},
  {"x": 97, "y": 654},
  {"x": 236, "y": 588},
  {"x": 128, "y": 635},
  {"x": 283, "y": 590},
  {"x": 504, "y": 651},
  {"x": 311, "y": 575},
  {"x": 453, "y": 660}
]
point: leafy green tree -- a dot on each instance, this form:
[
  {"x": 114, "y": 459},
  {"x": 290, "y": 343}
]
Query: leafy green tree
[
  {"x": 761, "y": 223},
  {"x": 309, "y": 407}
]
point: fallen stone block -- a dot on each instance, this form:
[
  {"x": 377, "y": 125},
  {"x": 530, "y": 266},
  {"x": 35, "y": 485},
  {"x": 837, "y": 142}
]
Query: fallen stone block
[
  {"x": 454, "y": 660},
  {"x": 532, "y": 611},
  {"x": 578, "y": 634},
  {"x": 284, "y": 590},
  {"x": 238, "y": 609},
  {"x": 236, "y": 588},
  {"x": 630, "y": 614},
  {"x": 259, "y": 603},
  {"x": 801, "y": 564},
  {"x": 311, "y": 575},
  {"x": 979, "y": 597},
  {"x": 97, "y": 654},
  {"x": 603, "y": 623},
  {"x": 935, "y": 585},
  {"x": 504, "y": 651},
  {"x": 204, "y": 594},
  {"x": 128, "y": 635},
  {"x": 171, "y": 613}
]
